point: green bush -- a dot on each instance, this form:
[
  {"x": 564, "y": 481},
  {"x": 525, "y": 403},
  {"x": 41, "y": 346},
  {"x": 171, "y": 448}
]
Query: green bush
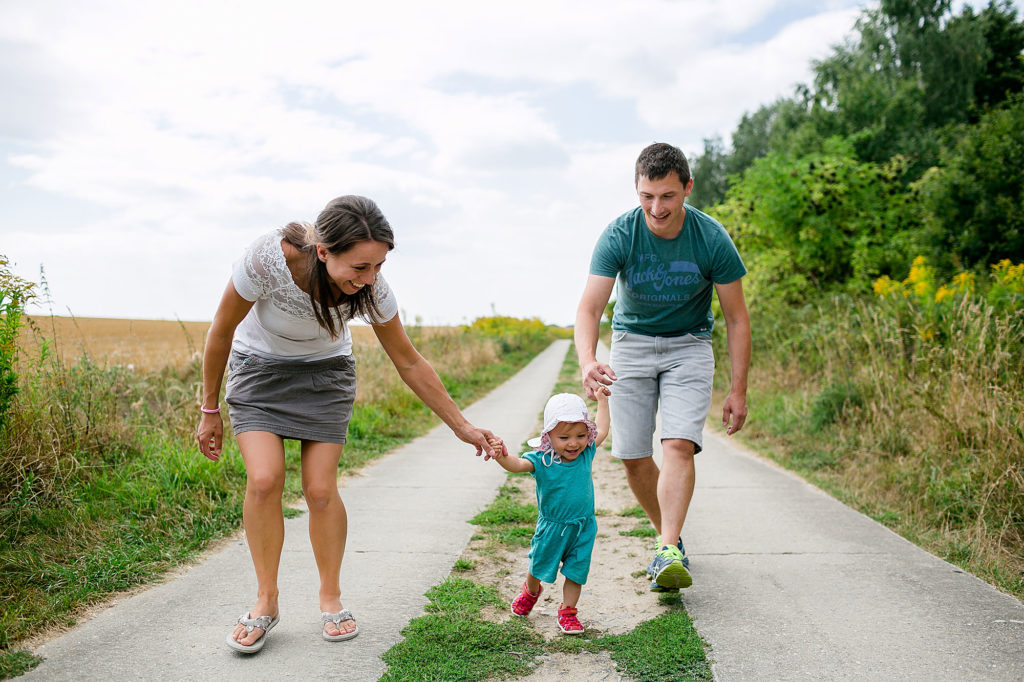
[
  {"x": 14, "y": 294},
  {"x": 820, "y": 223}
]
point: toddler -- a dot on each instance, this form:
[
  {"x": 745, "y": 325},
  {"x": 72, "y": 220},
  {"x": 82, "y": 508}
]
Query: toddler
[{"x": 566, "y": 526}]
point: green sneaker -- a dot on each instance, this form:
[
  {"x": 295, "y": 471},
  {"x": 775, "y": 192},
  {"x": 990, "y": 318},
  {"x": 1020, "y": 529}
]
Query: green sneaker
[
  {"x": 667, "y": 569},
  {"x": 655, "y": 587}
]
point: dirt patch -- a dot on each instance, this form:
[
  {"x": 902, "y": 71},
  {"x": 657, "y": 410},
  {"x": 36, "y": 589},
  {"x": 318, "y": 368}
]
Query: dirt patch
[{"x": 616, "y": 597}]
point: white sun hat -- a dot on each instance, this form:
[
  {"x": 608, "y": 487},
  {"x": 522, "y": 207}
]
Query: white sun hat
[{"x": 563, "y": 407}]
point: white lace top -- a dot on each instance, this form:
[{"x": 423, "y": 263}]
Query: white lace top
[{"x": 281, "y": 324}]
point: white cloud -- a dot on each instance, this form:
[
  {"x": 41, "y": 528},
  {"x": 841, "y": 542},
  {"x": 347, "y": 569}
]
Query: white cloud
[{"x": 168, "y": 136}]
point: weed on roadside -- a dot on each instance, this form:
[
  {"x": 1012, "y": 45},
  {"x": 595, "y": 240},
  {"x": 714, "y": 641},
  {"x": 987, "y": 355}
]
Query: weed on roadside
[
  {"x": 15, "y": 663},
  {"x": 661, "y": 649},
  {"x": 636, "y": 511},
  {"x": 453, "y": 642},
  {"x": 506, "y": 521}
]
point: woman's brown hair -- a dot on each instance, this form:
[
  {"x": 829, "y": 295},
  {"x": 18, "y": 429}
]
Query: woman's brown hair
[{"x": 344, "y": 222}]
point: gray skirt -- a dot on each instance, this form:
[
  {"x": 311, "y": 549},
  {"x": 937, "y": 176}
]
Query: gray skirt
[{"x": 299, "y": 400}]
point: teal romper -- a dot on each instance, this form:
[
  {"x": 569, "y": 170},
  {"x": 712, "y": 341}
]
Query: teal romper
[{"x": 566, "y": 526}]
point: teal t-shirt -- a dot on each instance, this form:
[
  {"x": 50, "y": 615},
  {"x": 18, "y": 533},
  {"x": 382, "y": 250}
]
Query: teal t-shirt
[
  {"x": 665, "y": 285},
  {"x": 565, "y": 490}
]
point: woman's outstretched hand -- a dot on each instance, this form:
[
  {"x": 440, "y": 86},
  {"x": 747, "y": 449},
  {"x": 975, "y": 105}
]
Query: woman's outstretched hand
[
  {"x": 209, "y": 435},
  {"x": 481, "y": 439}
]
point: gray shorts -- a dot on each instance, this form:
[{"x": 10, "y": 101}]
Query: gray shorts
[
  {"x": 678, "y": 371},
  {"x": 300, "y": 400}
]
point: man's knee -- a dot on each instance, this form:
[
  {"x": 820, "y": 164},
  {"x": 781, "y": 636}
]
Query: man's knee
[
  {"x": 679, "y": 448},
  {"x": 639, "y": 466}
]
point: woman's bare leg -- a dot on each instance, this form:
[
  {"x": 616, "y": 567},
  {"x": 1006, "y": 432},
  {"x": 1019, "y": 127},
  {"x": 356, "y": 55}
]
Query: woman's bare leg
[
  {"x": 328, "y": 524},
  {"x": 263, "y": 454}
]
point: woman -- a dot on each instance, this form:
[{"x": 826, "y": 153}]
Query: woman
[{"x": 281, "y": 328}]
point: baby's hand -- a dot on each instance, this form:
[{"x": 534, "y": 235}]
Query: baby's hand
[
  {"x": 602, "y": 393},
  {"x": 498, "y": 445}
]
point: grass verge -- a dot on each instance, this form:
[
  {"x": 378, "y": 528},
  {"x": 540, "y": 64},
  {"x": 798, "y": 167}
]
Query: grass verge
[
  {"x": 101, "y": 489},
  {"x": 909, "y": 412}
]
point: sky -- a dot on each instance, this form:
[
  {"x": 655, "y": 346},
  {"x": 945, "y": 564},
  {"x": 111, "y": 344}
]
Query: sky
[{"x": 144, "y": 145}]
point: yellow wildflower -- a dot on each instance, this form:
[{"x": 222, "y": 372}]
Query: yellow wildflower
[
  {"x": 1009, "y": 275},
  {"x": 919, "y": 271},
  {"x": 883, "y": 286},
  {"x": 963, "y": 282},
  {"x": 943, "y": 293}
]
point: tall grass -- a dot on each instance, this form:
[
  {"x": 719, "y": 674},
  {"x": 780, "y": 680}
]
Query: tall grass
[
  {"x": 102, "y": 487},
  {"x": 910, "y": 406}
]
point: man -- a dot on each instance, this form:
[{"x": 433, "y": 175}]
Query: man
[{"x": 666, "y": 257}]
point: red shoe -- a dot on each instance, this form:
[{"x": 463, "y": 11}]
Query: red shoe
[
  {"x": 568, "y": 623},
  {"x": 523, "y": 604}
]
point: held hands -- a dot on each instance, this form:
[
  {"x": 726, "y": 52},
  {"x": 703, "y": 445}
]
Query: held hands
[
  {"x": 597, "y": 377},
  {"x": 498, "y": 445},
  {"x": 734, "y": 408},
  {"x": 486, "y": 442},
  {"x": 210, "y": 435}
]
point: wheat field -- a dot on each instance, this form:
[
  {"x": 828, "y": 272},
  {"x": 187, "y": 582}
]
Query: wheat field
[{"x": 141, "y": 344}]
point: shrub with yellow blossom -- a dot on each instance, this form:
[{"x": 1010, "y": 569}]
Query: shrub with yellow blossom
[
  {"x": 1005, "y": 289},
  {"x": 1004, "y": 292}
]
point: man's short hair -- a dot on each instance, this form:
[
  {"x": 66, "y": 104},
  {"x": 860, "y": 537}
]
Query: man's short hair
[{"x": 658, "y": 160}]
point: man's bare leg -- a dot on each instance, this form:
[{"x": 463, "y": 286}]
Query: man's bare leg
[
  {"x": 642, "y": 475},
  {"x": 675, "y": 487}
]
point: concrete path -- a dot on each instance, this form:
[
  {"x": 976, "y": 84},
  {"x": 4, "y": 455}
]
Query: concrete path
[
  {"x": 789, "y": 584},
  {"x": 408, "y": 516}
]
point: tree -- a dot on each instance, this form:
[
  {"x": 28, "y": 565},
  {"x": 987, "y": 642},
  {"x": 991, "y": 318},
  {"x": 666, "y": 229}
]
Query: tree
[
  {"x": 708, "y": 171},
  {"x": 974, "y": 200},
  {"x": 912, "y": 71},
  {"x": 773, "y": 127},
  {"x": 1003, "y": 72}
]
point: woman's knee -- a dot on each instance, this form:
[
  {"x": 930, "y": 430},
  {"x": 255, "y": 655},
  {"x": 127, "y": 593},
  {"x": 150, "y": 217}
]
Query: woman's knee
[
  {"x": 264, "y": 485},
  {"x": 320, "y": 495}
]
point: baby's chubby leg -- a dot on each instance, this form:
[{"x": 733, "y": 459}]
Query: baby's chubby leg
[{"x": 570, "y": 593}]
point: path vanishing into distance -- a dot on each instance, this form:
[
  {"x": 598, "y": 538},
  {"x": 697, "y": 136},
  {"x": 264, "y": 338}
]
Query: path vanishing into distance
[{"x": 788, "y": 582}]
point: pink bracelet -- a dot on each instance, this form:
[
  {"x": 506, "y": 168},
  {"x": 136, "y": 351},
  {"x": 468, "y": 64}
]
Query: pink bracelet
[{"x": 215, "y": 410}]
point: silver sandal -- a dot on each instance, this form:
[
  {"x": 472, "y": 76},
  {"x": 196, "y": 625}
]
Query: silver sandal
[
  {"x": 266, "y": 623},
  {"x": 337, "y": 619}
]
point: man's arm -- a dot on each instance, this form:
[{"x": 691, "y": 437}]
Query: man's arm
[
  {"x": 585, "y": 333},
  {"x": 737, "y": 325}
]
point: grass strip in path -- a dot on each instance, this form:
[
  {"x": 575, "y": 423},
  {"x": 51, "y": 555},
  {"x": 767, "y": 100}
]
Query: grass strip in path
[{"x": 476, "y": 638}]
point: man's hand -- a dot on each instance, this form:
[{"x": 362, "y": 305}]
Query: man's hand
[
  {"x": 597, "y": 377},
  {"x": 734, "y": 413}
]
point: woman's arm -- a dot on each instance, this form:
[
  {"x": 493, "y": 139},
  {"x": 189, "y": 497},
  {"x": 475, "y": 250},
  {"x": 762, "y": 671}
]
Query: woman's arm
[
  {"x": 418, "y": 375},
  {"x": 231, "y": 311},
  {"x": 603, "y": 420}
]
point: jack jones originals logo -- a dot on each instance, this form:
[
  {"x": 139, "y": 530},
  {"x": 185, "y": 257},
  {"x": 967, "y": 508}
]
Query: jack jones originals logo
[{"x": 655, "y": 278}]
